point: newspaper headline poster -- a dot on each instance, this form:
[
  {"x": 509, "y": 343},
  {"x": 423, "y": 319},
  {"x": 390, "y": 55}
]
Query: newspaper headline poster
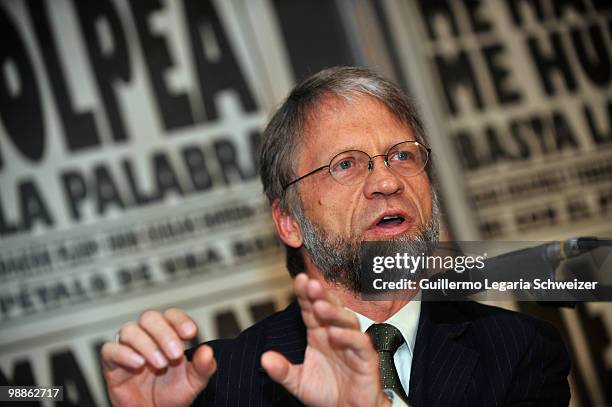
[
  {"x": 521, "y": 91},
  {"x": 128, "y": 140}
]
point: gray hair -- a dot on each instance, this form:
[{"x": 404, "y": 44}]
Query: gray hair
[{"x": 285, "y": 132}]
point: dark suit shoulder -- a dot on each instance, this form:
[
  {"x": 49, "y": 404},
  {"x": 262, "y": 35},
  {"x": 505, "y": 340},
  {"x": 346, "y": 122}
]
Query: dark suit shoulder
[
  {"x": 507, "y": 323},
  {"x": 522, "y": 359},
  {"x": 497, "y": 320}
]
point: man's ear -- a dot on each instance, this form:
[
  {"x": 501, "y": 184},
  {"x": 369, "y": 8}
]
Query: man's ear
[{"x": 287, "y": 227}]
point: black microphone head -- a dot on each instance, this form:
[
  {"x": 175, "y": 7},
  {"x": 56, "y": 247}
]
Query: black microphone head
[{"x": 580, "y": 245}]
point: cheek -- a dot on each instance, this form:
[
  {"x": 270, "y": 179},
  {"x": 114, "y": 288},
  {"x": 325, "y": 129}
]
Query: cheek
[
  {"x": 423, "y": 194},
  {"x": 321, "y": 206},
  {"x": 336, "y": 210},
  {"x": 428, "y": 206}
]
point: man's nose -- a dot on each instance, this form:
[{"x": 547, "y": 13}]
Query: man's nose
[{"x": 381, "y": 179}]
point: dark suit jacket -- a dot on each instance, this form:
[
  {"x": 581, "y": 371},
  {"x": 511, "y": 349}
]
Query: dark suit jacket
[{"x": 466, "y": 354}]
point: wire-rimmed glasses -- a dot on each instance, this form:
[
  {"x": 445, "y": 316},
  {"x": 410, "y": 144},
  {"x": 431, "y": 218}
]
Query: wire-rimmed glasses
[{"x": 351, "y": 167}]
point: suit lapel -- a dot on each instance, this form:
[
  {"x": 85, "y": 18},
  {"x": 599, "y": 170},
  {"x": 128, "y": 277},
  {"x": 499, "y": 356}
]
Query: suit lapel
[
  {"x": 286, "y": 334},
  {"x": 442, "y": 363}
]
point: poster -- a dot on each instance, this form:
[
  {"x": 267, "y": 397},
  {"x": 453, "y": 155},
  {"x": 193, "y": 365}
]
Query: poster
[
  {"x": 128, "y": 142},
  {"x": 517, "y": 97}
]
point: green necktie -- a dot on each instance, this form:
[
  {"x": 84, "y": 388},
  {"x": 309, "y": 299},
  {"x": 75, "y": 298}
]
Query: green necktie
[{"x": 386, "y": 339}]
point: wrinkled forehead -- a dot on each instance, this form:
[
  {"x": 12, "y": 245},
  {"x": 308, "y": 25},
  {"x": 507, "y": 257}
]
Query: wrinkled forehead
[
  {"x": 331, "y": 112},
  {"x": 336, "y": 124}
]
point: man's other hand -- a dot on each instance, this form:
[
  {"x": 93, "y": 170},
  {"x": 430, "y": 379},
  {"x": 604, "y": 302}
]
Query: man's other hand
[
  {"x": 146, "y": 366},
  {"x": 340, "y": 366}
]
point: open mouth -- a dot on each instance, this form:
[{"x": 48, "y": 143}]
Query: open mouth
[
  {"x": 390, "y": 225},
  {"x": 391, "y": 221}
]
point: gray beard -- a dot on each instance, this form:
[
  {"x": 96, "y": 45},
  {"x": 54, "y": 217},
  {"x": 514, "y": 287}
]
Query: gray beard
[{"x": 339, "y": 257}]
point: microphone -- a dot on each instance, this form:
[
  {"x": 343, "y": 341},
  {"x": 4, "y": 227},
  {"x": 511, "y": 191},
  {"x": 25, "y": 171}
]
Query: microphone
[
  {"x": 559, "y": 251},
  {"x": 534, "y": 262},
  {"x": 547, "y": 256}
]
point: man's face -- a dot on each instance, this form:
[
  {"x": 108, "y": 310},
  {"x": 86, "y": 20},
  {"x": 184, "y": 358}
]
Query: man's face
[
  {"x": 335, "y": 218},
  {"x": 358, "y": 210}
]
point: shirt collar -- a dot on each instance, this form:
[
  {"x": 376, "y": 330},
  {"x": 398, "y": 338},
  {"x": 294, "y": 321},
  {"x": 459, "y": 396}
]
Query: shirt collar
[{"x": 406, "y": 320}]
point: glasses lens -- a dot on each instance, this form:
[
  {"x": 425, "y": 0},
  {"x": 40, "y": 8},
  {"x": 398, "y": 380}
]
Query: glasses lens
[
  {"x": 349, "y": 167},
  {"x": 408, "y": 158}
]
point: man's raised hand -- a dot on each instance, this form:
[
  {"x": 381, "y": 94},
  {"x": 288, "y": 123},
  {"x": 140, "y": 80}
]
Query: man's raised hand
[
  {"x": 146, "y": 366},
  {"x": 340, "y": 366}
]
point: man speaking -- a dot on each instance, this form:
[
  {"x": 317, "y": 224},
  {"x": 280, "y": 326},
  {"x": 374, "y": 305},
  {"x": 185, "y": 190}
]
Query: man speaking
[{"x": 345, "y": 160}]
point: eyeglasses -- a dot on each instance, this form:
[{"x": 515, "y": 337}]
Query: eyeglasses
[{"x": 351, "y": 167}]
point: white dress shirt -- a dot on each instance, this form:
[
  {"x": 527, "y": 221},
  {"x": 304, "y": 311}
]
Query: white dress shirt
[{"x": 406, "y": 320}]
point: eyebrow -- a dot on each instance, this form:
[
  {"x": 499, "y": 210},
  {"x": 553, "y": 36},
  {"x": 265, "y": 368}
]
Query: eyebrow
[
  {"x": 349, "y": 148},
  {"x": 338, "y": 151}
]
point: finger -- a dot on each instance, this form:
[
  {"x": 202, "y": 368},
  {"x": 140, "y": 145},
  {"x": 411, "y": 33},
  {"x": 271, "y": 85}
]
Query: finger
[
  {"x": 182, "y": 324},
  {"x": 116, "y": 356},
  {"x": 300, "y": 286},
  {"x": 132, "y": 335},
  {"x": 355, "y": 348},
  {"x": 315, "y": 291},
  {"x": 162, "y": 333},
  {"x": 281, "y": 370},
  {"x": 203, "y": 365},
  {"x": 355, "y": 340},
  {"x": 331, "y": 314}
]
